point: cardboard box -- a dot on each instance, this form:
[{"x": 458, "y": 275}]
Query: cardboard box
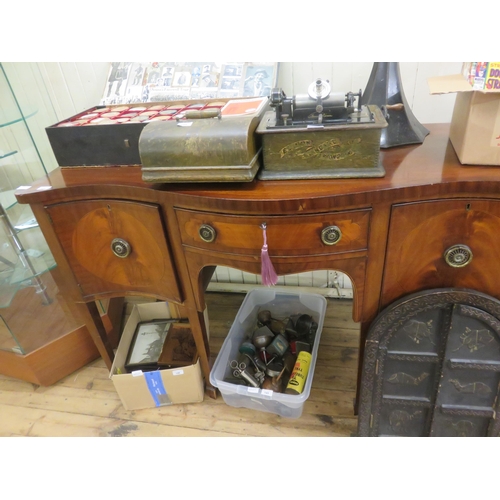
[
  {"x": 158, "y": 388},
  {"x": 475, "y": 124}
]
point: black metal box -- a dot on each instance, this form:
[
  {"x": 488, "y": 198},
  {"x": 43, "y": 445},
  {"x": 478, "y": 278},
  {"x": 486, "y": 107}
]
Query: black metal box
[{"x": 109, "y": 135}]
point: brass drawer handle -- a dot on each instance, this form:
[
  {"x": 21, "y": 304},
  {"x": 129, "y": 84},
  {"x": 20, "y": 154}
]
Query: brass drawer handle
[
  {"x": 458, "y": 255},
  {"x": 207, "y": 233},
  {"x": 331, "y": 235},
  {"x": 121, "y": 248}
]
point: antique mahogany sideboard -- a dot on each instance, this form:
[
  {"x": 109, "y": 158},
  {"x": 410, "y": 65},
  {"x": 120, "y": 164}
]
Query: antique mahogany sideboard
[{"x": 114, "y": 235}]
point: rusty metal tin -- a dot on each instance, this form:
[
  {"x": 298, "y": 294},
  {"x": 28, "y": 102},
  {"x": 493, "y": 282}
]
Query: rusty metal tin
[{"x": 222, "y": 149}]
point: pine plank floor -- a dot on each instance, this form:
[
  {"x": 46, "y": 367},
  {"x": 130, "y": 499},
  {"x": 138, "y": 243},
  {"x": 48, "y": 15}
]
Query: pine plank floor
[{"x": 85, "y": 404}]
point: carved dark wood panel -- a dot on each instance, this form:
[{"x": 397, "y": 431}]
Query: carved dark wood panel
[{"x": 432, "y": 367}]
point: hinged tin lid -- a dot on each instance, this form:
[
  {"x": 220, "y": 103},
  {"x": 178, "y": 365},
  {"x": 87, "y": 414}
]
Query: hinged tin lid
[{"x": 204, "y": 148}]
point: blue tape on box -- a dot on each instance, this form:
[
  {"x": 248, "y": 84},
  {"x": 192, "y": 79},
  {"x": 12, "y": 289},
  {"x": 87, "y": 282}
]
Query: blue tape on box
[{"x": 156, "y": 388}]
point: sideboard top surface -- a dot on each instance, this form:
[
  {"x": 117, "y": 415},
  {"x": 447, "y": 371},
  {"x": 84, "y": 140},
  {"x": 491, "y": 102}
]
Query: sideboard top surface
[{"x": 415, "y": 171}]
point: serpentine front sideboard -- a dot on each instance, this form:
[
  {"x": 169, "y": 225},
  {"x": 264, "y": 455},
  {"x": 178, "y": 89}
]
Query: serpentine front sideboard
[{"x": 114, "y": 235}]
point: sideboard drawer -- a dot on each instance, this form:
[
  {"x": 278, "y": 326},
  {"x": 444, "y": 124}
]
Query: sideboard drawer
[
  {"x": 286, "y": 235},
  {"x": 116, "y": 247}
]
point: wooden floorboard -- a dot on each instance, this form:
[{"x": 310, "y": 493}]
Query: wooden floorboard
[{"x": 86, "y": 404}]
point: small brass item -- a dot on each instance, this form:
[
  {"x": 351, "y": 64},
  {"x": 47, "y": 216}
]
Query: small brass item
[
  {"x": 274, "y": 383},
  {"x": 121, "y": 248},
  {"x": 264, "y": 317},
  {"x": 458, "y": 255},
  {"x": 207, "y": 233},
  {"x": 277, "y": 327},
  {"x": 331, "y": 235}
]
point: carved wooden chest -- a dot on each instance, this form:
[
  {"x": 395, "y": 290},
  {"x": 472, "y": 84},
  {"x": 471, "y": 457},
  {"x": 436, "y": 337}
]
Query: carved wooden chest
[{"x": 432, "y": 367}]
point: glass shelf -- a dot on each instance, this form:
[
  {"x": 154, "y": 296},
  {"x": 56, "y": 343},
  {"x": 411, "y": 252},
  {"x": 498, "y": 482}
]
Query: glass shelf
[
  {"x": 24, "y": 257},
  {"x": 7, "y": 121},
  {"x": 6, "y": 155}
]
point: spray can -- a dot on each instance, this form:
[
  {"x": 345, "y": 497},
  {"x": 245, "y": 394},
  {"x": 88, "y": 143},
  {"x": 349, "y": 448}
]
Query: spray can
[{"x": 299, "y": 373}]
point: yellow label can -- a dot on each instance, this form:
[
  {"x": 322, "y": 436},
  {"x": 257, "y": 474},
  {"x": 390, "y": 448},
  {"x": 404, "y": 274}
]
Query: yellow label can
[{"x": 299, "y": 373}]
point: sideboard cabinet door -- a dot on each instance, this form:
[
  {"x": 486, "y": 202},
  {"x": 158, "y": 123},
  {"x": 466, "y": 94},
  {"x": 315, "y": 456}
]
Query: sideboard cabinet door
[
  {"x": 116, "y": 247},
  {"x": 441, "y": 244},
  {"x": 432, "y": 367}
]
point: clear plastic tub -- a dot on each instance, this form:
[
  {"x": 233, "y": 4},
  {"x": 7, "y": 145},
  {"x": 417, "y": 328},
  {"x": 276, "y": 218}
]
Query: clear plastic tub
[{"x": 281, "y": 305}]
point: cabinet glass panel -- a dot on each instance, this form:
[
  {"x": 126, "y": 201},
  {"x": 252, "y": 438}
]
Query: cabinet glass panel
[{"x": 33, "y": 312}]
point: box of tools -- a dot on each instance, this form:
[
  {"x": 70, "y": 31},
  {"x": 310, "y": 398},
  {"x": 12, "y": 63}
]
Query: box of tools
[{"x": 267, "y": 360}]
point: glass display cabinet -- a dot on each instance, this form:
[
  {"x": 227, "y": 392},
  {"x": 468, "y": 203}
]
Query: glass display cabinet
[{"x": 42, "y": 338}]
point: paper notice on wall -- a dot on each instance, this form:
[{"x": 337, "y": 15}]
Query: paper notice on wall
[{"x": 495, "y": 137}]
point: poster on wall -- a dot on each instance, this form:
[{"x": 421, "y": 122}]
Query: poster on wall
[{"x": 139, "y": 82}]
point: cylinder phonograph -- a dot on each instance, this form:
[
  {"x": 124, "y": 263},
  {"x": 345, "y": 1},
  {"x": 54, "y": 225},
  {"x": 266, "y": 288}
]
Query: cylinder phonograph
[{"x": 320, "y": 134}]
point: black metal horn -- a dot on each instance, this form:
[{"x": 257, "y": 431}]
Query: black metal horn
[{"x": 385, "y": 90}]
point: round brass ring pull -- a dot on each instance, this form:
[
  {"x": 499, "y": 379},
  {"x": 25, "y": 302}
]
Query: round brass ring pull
[
  {"x": 121, "y": 248},
  {"x": 331, "y": 235},
  {"x": 458, "y": 255},
  {"x": 207, "y": 233}
]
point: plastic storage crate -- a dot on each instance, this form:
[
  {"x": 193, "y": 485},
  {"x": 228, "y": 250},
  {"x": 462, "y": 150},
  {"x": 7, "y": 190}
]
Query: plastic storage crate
[{"x": 281, "y": 305}]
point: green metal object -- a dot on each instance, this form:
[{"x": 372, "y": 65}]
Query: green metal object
[{"x": 200, "y": 150}]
